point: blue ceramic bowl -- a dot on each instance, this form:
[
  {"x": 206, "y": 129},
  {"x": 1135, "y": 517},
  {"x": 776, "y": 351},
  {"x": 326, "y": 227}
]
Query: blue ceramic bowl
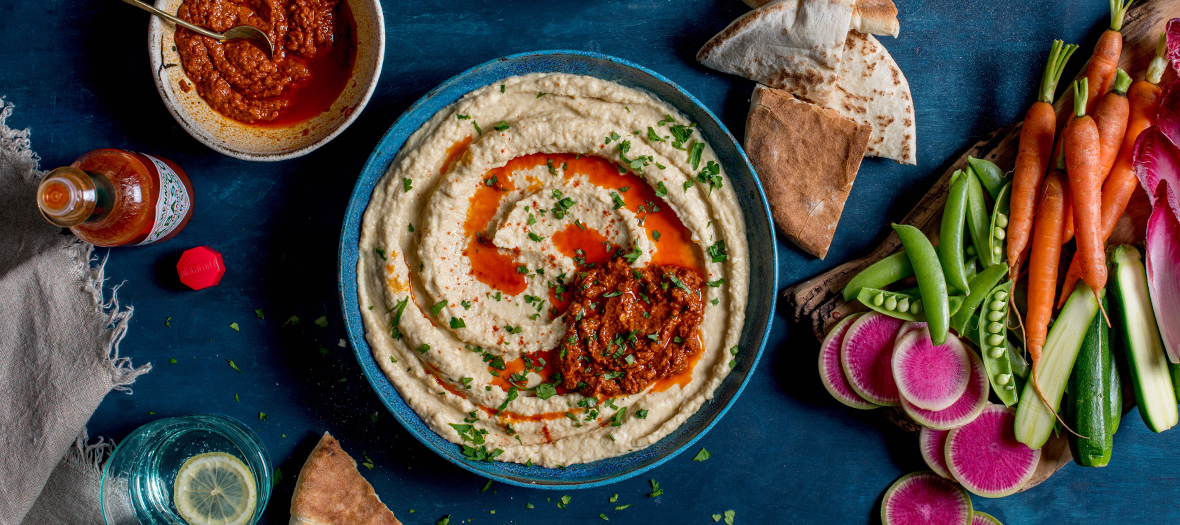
[{"x": 759, "y": 232}]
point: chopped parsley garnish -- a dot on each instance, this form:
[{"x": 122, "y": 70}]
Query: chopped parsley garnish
[
  {"x": 476, "y": 124},
  {"x": 729, "y": 517},
  {"x": 641, "y": 413},
  {"x": 621, "y": 507},
  {"x": 396, "y": 320},
  {"x": 715, "y": 301},
  {"x": 407, "y": 184},
  {"x": 655, "y": 489},
  {"x": 610, "y": 376},
  {"x": 411, "y": 225},
  {"x": 423, "y": 348},
  {"x": 655, "y": 235},
  {"x": 565, "y": 500},
  {"x": 234, "y": 326},
  {"x": 617, "y": 420},
  {"x": 613, "y": 136},
  {"x": 258, "y": 313},
  {"x": 379, "y": 251},
  {"x": 694, "y": 154},
  {"x": 532, "y": 220},
  {"x": 711, "y": 175},
  {"x": 457, "y": 322},
  {"x": 549, "y": 164},
  {"x": 513, "y": 330},
  {"x": 717, "y": 252},
  {"x": 233, "y": 365},
  {"x": 661, "y": 190},
  {"x": 486, "y": 486},
  {"x": 466, "y": 382},
  {"x": 171, "y": 361},
  {"x": 680, "y": 134},
  {"x": 601, "y": 515},
  {"x": 541, "y": 94},
  {"x": 322, "y": 321},
  {"x": 702, "y": 455},
  {"x": 652, "y": 135},
  {"x": 716, "y": 283},
  {"x": 687, "y": 184},
  {"x": 434, "y": 310},
  {"x": 490, "y": 182},
  {"x": 262, "y": 416},
  {"x": 546, "y": 390},
  {"x": 168, "y": 322},
  {"x": 501, "y": 88},
  {"x": 634, "y": 254},
  {"x": 466, "y": 304},
  {"x": 503, "y": 125},
  {"x": 522, "y": 269},
  {"x": 461, "y": 116},
  {"x": 734, "y": 352},
  {"x": 528, "y": 505},
  {"x": 535, "y": 238}
]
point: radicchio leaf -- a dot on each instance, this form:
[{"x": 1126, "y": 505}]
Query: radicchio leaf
[
  {"x": 1157, "y": 162},
  {"x": 1168, "y": 117},
  {"x": 1173, "y": 30},
  {"x": 1163, "y": 276}
]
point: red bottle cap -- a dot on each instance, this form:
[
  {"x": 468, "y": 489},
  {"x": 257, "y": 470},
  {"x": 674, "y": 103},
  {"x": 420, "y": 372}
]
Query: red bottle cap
[{"x": 200, "y": 267}]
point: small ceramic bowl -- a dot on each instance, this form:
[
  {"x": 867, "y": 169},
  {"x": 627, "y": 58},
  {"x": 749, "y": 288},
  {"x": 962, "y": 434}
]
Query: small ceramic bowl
[{"x": 259, "y": 143}]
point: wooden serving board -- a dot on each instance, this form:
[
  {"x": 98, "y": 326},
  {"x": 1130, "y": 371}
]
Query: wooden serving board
[{"x": 818, "y": 301}]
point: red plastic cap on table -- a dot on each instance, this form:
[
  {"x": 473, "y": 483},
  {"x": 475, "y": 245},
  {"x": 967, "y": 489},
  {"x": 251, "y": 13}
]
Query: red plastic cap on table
[{"x": 200, "y": 267}]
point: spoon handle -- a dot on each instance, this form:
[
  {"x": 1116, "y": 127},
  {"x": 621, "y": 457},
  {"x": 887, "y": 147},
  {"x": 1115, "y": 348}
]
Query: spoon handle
[{"x": 196, "y": 29}]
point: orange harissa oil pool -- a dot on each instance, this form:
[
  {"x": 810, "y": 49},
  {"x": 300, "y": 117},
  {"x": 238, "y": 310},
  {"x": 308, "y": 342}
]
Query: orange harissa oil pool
[{"x": 498, "y": 268}]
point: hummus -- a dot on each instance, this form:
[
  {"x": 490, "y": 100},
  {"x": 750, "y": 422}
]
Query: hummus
[{"x": 502, "y": 242}]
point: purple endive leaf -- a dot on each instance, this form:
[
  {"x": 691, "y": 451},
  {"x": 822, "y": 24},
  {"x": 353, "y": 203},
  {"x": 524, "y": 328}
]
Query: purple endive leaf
[
  {"x": 1173, "y": 30},
  {"x": 1163, "y": 276},
  {"x": 1168, "y": 117},
  {"x": 1157, "y": 162}
]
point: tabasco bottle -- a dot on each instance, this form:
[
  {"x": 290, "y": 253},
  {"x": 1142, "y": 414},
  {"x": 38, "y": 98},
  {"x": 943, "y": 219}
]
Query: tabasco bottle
[{"x": 112, "y": 197}]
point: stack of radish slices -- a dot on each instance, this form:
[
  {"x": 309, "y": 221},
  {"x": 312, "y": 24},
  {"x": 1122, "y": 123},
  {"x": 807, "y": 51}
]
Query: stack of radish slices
[{"x": 871, "y": 360}]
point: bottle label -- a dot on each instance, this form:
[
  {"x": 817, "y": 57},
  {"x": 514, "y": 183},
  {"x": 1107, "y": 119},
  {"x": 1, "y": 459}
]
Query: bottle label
[{"x": 173, "y": 204}]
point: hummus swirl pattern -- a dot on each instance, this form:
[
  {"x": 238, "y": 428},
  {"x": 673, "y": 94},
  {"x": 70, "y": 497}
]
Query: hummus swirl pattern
[{"x": 488, "y": 218}]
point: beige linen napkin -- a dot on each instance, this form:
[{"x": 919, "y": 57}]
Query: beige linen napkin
[{"x": 59, "y": 353}]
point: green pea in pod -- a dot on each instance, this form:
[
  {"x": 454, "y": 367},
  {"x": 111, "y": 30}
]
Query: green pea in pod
[
  {"x": 993, "y": 343},
  {"x": 931, "y": 282},
  {"x": 999, "y": 224}
]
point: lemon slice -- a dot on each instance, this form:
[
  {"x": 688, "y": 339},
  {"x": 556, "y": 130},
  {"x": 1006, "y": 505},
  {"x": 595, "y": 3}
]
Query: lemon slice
[{"x": 215, "y": 488}]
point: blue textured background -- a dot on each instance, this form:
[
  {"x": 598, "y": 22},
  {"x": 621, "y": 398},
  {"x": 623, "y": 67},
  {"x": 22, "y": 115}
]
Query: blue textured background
[{"x": 785, "y": 453}]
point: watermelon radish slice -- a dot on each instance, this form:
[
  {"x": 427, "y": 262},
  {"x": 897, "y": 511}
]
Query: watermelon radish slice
[
  {"x": 930, "y": 377},
  {"x": 925, "y": 498},
  {"x": 983, "y": 518},
  {"x": 909, "y": 326},
  {"x": 969, "y": 405},
  {"x": 933, "y": 443},
  {"x": 830, "y": 371},
  {"x": 866, "y": 354},
  {"x": 985, "y": 456}
]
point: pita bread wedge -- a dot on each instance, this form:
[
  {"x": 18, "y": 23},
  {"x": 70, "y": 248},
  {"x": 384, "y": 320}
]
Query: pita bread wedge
[
  {"x": 794, "y": 45},
  {"x": 331, "y": 491},
  {"x": 872, "y": 90},
  {"x": 876, "y": 17},
  {"x": 806, "y": 157}
]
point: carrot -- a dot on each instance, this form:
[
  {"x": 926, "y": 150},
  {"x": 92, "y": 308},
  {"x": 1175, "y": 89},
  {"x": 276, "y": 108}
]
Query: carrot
[
  {"x": 1144, "y": 101},
  {"x": 1110, "y": 115},
  {"x": 1042, "y": 267},
  {"x": 1033, "y": 158},
  {"x": 1101, "y": 70},
  {"x": 1082, "y": 165}
]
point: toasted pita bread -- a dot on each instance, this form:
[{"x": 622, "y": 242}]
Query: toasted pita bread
[
  {"x": 331, "y": 491},
  {"x": 872, "y": 90},
  {"x": 793, "y": 45},
  {"x": 877, "y": 17},
  {"x": 806, "y": 157}
]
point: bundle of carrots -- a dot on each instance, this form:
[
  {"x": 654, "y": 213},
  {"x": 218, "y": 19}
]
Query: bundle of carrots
[{"x": 1082, "y": 186}]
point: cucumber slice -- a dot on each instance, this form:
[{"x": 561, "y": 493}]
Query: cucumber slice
[
  {"x": 1134, "y": 321},
  {"x": 1092, "y": 395},
  {"x": 1034, "y": 420}
]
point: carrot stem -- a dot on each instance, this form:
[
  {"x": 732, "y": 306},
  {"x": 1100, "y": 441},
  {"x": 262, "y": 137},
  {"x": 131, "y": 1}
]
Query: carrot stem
[
  {"x": 1155, "y": 71},
  {"x": 1118, "y": 11},
  {"x": 1122, "y": 82},
  {"x": 1059, "y": 55},
  {"x": 1080, "y": 95}
]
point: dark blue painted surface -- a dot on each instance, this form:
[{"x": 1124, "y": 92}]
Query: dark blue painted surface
[{"x": 785, "y": 453}]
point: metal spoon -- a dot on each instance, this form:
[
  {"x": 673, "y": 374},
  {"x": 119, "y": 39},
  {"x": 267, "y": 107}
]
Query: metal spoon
[{"x": 250, "y": 33}]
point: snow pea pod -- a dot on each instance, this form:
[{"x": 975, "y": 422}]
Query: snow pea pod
[
  {"x": 993, "y": 343},
  {"x": 931, "y": 282},
  {"x": 879, "y": 275},
  {"x": 992, "y": 177},
  {"x": 999, "y": 224},
  {"x": 986, "y": 280},
  {"x": 950, "y": 246},
  {"x": 978, "y": 222}
]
